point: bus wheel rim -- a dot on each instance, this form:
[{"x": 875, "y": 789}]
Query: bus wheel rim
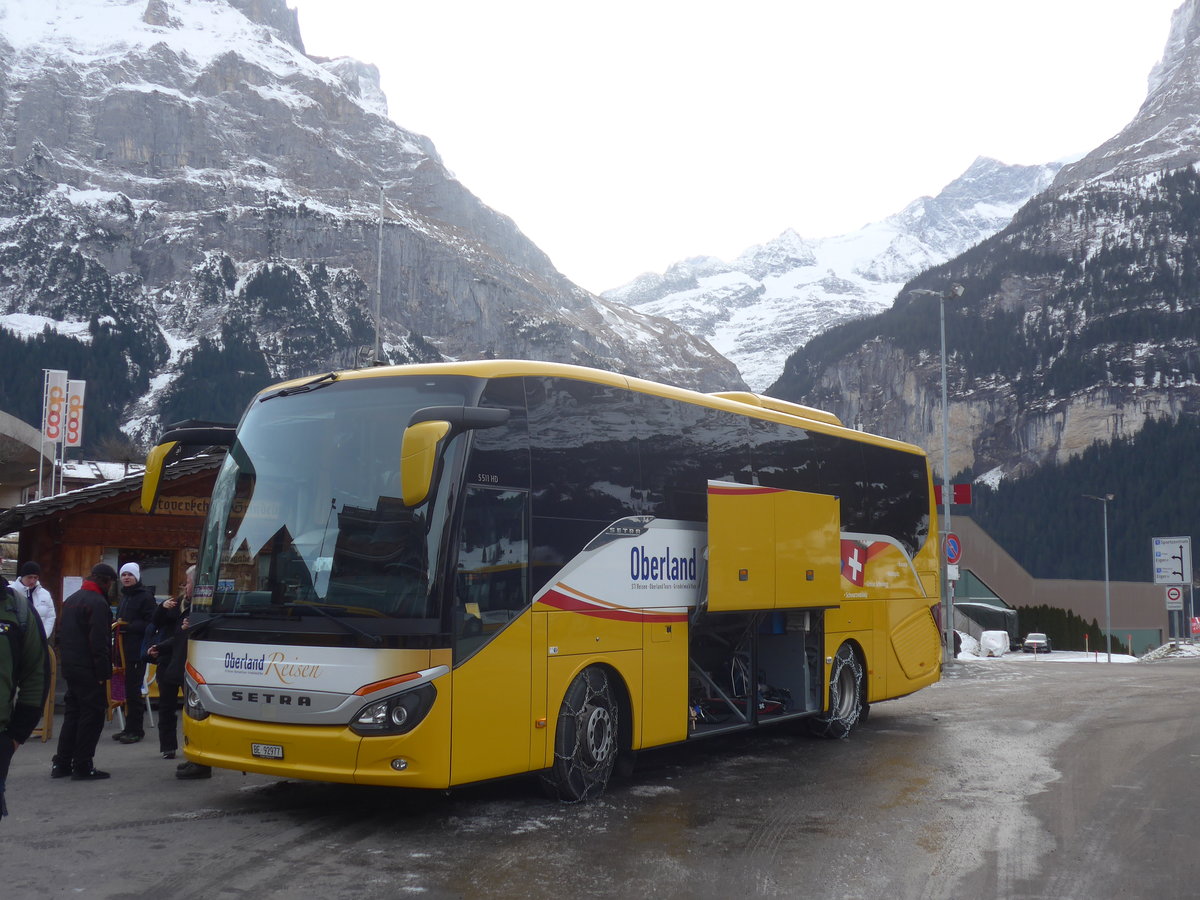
[{"x": 597, "y": 743}]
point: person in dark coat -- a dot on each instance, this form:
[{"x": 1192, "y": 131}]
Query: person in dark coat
[
  {"x": 85, "y": 654},
  {"x": 169, "y": 653},
  {"x": 134, "y": 614},
  {"x": 24, "y": 674},
  {"x": 171, "y": 682}
]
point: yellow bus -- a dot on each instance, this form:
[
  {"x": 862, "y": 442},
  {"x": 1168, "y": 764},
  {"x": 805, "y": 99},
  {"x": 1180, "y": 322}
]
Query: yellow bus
[{"x": 433, "y": 575}]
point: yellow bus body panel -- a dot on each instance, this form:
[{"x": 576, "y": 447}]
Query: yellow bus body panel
[
  {"x": 493, "y": 727},
  {"x": 572, "y": 633},
  {"x": 772, "y": 549},
  {"x": 663, "y": 713}
]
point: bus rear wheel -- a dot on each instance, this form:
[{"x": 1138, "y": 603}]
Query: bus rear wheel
[
  {"x": 585, "y": 741},
  {"x": 847, "y": 706}
]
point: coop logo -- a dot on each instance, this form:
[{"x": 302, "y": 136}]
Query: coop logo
[
  {"x": 644, "y": 566},
  {"x": 55, "y": 402}
]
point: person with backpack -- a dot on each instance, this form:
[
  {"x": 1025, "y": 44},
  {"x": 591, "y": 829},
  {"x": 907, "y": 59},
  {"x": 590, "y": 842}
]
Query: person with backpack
[
  {"x": 85, "y": 653},
  {"x": 24, "y": 675},
  {"x": 134, "y": 614}
]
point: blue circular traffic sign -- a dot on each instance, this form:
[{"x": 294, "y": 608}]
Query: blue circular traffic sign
[{"x": 953, "y": 547}]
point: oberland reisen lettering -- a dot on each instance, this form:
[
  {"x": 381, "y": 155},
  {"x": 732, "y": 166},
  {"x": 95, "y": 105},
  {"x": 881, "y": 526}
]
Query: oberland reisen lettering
[
  {"x": 272, "y": 664},
  {"x": 644, "y": 567}
]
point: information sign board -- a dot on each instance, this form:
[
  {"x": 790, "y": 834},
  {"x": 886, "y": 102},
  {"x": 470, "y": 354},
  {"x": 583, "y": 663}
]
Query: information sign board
[{"x": 1172, "y": 558}]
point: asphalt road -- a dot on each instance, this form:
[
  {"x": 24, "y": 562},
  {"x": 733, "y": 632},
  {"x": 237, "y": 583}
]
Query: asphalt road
[{"x": 1007, "y": 780}]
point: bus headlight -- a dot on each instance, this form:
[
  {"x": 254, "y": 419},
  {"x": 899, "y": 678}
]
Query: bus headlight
[
  {"x": 192, "y": 705},
  {"x": 397, "y": 714}
]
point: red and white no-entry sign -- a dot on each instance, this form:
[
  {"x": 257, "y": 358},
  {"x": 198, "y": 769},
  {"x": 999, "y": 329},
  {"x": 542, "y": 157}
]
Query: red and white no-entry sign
[{"x": 1174, "y": 597}]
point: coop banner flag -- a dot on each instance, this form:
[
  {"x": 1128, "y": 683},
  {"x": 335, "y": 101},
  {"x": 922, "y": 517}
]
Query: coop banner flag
[
  {"x": 54, "y": 409},
  {"x": 73, "y": 435}
]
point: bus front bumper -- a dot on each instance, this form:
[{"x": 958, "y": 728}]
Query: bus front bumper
[{"x": 316, "y": 752}]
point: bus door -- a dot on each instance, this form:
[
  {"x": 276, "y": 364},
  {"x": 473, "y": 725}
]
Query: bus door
[{"x": 493, "y": 678}]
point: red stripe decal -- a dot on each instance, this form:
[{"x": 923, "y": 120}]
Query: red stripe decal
[
  {"x": 748, "y": 489},
  {"x": 566, "y": 603}
]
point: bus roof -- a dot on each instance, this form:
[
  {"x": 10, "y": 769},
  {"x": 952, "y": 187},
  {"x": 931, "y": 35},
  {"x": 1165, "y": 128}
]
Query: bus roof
[{"x": 740, "y": 402}]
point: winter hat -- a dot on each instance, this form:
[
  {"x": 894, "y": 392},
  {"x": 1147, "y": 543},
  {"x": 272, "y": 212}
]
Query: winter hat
[
  {"x": 132, "y": 569},
  {"x": 30, "y": 568},
  {"x": 104, "y": 570}
]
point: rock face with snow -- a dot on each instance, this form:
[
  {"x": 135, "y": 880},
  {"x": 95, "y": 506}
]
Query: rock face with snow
[
  {"x": 179, "y": 170},
  {"x": 759, "y": 308},
  {"x": 1164, "y": 134},
  {"x": 1079, "y": 322}
]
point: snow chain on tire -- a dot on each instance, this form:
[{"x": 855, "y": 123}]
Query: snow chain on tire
[
  {"x": 586, "y": 739},
  {"x": 845, "y": 696}
]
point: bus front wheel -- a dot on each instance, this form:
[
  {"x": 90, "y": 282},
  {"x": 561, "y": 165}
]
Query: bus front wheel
[
  {"x": 847, "y": 706},
  {"x": 585, "y": 741}
]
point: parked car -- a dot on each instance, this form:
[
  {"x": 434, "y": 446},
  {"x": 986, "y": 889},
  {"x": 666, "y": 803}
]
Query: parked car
[{"x": 1036, "y": 642}]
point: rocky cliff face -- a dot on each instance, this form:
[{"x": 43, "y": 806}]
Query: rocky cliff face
[
  {"x": 172, "y": 167},
  {"x": 1162, "y": 136},
  {"x": 1078, "y": 323}
]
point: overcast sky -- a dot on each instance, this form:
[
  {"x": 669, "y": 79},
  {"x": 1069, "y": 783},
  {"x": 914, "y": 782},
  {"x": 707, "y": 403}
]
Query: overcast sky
[{"x": 624, "y": 136}]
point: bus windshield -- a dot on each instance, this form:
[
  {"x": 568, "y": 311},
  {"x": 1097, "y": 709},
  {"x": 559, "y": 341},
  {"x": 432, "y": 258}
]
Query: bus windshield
[{"x": 306, "y": 515}]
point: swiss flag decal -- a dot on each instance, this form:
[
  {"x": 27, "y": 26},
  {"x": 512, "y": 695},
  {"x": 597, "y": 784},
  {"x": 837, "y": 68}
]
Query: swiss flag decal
[{"x": 854, "y": 561}]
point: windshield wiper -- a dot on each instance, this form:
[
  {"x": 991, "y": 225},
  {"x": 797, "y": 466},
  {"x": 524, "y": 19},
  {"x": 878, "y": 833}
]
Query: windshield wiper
[
  {"x": 324, "y": 610},
  {"x": 319, "y": 382}
]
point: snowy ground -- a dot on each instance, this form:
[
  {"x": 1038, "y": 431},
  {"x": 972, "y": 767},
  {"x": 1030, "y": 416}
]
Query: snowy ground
[{"x": 1177, "y": 650}]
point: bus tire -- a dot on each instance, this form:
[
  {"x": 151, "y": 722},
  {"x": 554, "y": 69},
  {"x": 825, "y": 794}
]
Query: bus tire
[
  {"x": 586, "y": 741},
  {"x": 847, "y": 690}
]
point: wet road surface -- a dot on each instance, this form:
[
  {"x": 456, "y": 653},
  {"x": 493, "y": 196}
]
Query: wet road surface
[{"x": 1005, "y": 780}]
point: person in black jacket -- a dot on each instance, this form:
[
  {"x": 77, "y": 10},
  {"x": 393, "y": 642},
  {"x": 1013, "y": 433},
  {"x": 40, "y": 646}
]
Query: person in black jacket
[
  {"x": 169, "y": 653},
  {"x": 134, "y": 614},
  {"x": 171, "y": 681},
  {"x": 85, "y": 653}
]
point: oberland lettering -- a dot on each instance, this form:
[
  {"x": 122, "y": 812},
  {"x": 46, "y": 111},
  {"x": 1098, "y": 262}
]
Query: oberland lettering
[
  {"x": 664, "y": 567},
  {"x": 277, "y": 699}
]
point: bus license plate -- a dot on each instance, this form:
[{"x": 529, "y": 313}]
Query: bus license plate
[{"x": 267, "y": 751}]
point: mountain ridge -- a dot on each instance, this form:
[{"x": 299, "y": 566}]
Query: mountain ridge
[
  {"x": 777, "y": 296},
  {"x": 1078, "y": 322}
]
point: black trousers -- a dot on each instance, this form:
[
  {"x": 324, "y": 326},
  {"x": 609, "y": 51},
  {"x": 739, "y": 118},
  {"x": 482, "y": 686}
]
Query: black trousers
[
  {"x": 6, "y": 755},
  {"x": 169, "y": 696},
  {"x": 83, "y": 718},
  {"x": 135, "y": 671}
]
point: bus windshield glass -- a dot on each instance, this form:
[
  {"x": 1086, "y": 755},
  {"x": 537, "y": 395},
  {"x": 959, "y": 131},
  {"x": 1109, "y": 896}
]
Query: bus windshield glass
[{"x": 306, "y": 515}]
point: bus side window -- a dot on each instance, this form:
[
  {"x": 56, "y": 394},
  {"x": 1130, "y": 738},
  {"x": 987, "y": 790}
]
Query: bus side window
[{"x": 491, "y": 582}]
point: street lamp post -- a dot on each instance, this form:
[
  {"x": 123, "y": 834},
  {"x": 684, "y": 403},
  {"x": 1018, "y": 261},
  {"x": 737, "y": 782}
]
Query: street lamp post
[
  {"x": 953, "y": 292},
  {"x": 1107, "y": 598}
]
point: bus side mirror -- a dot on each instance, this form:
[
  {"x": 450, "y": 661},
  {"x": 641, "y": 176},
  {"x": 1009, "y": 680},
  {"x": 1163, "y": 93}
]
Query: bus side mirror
[
  {"x": 152, "y": 477},
  {"x": 424, "y": 439},
  {"x": 418, "y": 459},
  {"x": 172, "y": 447}
]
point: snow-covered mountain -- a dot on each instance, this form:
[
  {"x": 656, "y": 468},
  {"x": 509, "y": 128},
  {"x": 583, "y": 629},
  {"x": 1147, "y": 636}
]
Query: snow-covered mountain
[
  {"x": 181, "y": 184},
  {"x": 776, "y": 296}
]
